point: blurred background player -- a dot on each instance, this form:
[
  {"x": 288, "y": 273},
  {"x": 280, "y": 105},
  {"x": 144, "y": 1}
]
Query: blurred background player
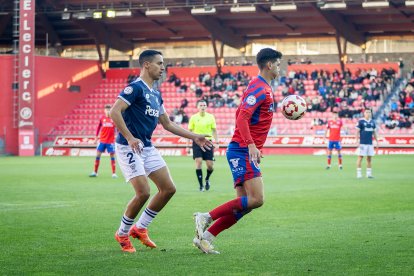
[
  {"x": 253, "y": 120},
  {"x": 203, "y": 123},
  {"x": 366, "y": 130},
  {"x": 136, "y": 113},
  {"x": 333, "y": 133},
  {"x": 105, "y": 133}
]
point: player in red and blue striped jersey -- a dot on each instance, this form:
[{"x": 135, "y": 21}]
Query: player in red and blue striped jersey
[{"x": 253, "y": 121}]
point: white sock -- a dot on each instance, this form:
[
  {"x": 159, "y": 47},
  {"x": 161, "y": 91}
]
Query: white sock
[
  {"x": 208, "y": 236},
  {"x": 359, "y": 172},
  {"x": 369, "y": 172},
  {"x": 126, "y": 224},
  {"x": 146, "y": 218},
  {"x": 208, "y": 217}
]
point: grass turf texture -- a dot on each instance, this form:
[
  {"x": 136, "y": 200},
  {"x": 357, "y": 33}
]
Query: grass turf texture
[{"x": 56, "y": 220}]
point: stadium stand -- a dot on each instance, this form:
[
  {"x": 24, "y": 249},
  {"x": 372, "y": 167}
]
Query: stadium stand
[{"x": 325, "y": 92}]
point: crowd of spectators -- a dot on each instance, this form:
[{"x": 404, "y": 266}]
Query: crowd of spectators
[
  {"x": 221, "y": 88},
  {"x": 349, "y": 93},
  {"x": 401, "y": 113}
]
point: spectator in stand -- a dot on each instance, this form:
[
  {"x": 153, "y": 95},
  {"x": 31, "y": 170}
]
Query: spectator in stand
[
  {"x": 201, "y": 77},
  {"x": 207, "y": 79},
  {"x": 198, "y": 92},
  {"x": 172, "y": 78},
  {"x": 192, "y": 87},
  {"x": 401, "y": 63},
  {"x": 183, "y": 88},
  {"x": 331, "y": 101},
  {"x": 177, "y": 82},
  {"x": 105, "y": 133},
  {"x": 184, "y": 103},
  {"x": 394, "y": 106},
  {"x": 401, "y": 97}
]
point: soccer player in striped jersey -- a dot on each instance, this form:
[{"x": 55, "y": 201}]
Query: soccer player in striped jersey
[
  {"x": 333, "y": 133},
  {"x": 105, "y": 133},
  {"x": 136, "y": 113},
  {"x": 253, "y": 121}
]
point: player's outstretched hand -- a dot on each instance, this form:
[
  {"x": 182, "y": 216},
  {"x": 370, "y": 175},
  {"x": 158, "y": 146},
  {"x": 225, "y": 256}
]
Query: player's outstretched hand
[
  {"x": 136, "y": 145},
  {"x": 203, "y": 142}
]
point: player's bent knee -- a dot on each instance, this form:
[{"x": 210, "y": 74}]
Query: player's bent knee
[
  {"x": 256, "y": 203},
  {"x": 168, "y": 191},
  {"x": 142, "y": 196}
]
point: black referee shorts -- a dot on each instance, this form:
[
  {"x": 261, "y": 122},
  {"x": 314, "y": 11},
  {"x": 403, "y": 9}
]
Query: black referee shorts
[{"x": 206, "y": 155}]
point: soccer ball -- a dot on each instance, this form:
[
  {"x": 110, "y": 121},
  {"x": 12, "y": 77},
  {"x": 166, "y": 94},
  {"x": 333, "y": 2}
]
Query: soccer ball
[{"x": 293, "y": 107}]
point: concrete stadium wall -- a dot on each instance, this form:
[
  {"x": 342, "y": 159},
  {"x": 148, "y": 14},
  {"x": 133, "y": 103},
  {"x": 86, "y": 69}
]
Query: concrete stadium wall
[{"x": 53, "y": 77}]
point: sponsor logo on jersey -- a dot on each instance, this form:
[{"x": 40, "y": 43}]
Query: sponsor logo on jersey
[{"x": 152, "y": 112}]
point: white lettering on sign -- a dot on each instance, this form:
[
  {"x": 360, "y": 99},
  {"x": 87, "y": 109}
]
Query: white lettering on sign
[
  {"x": 26, "y": 96},
  {"x": 27, "y": 5}
]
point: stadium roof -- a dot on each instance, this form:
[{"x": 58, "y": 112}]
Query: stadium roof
[{"x": 69, "y": 23}]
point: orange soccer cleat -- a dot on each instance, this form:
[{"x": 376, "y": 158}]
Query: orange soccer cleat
[
  {"x": 125, "y": 243},
  {"x": 142, "y": 235}
]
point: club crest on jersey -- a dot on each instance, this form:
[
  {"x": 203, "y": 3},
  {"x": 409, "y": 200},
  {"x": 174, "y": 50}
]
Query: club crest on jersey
[
  {"x": 251, "y": 100},
  {"x": 128, "y": 90},
  {"x": 152, "y": 112}
]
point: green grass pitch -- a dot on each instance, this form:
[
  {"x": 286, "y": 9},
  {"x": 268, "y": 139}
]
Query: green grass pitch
[{"x": 54, "y": 219}]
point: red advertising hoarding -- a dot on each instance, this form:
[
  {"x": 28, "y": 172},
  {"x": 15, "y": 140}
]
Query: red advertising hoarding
[{"x": 175, "y": 146}]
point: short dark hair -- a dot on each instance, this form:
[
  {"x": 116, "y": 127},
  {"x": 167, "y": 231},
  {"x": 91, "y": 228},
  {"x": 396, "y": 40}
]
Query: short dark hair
[
  {"x": 201, "y": 101},
  {"x": 265, "y": 55},
  {"x": 147, "y": 55},
  {"x": 107, "y": 106}
]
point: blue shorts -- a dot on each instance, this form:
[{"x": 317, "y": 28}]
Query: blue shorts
[
  {"x": 334, "y": 145},
  {"x": 240, "y": 167},
  {"x": 109, "y": 147}
]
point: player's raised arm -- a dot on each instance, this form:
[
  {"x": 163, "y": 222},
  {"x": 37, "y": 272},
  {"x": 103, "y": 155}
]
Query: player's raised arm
[
  {"x": 177, "y": 130},
  {"x": 116, "y": 115}
]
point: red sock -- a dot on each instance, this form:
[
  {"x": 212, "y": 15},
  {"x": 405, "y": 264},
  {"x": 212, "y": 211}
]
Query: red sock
[
  {"x": 226, "y": 209},
  {"x": 329, "y": 160},
  {"x": 97, "y": 160},
  {"x": 113, "y": 165},
  {"x": 340, "y": 160},
  {"x": 222, "y": 224}
]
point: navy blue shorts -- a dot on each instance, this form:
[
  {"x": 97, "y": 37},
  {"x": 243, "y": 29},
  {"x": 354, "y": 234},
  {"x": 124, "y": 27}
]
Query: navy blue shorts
[
  {"x": 334, "y": 145},
  {"x": 240, "y": 167},
  {"x": 109, "y": 147}
]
